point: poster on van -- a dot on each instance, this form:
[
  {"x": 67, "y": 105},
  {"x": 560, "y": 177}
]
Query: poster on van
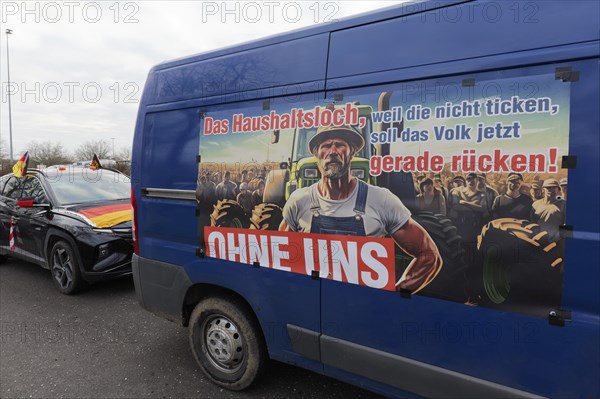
[{"x": 458, "y": 198}]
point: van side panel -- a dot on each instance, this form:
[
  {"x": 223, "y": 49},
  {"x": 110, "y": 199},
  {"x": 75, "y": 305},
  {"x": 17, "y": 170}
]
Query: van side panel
[
  {"x": 169, "y": 265},
  {"x": 583, "y": 250},
  {"x": 261, "y": 69},
  {"x": 505, "y": 348},
  {"x": 503, "y": 27}
]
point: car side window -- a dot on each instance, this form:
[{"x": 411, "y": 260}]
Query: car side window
[
  {"x": 32, "y": 188},
  {"x": 12, "y": 189},
  {"x": 3, "y": 181}
]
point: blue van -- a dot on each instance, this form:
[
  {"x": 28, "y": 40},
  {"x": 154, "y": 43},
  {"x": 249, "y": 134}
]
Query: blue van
[{"x": 383, "y": 200}]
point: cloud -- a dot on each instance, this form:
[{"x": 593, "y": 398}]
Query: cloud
[{"x": 114, "y": 50}]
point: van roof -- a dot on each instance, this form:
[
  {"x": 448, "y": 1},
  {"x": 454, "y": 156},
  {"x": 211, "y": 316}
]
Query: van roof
[
  {"x": 381, "y": 14},
  {"x": 378, "y": 47}
]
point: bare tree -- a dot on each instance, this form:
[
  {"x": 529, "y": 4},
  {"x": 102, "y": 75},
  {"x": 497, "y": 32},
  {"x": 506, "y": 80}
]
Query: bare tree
[
  {"x": 86, "y": 151},
  {"x": 3, "y": 149},
  {"x": 47, "y": 153},
  {"x": 123, "y": 154},
  {"x": 4, "y": 161}
]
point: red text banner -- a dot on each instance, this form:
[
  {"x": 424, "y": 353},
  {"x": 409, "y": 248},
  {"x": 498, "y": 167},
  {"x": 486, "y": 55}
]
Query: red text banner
[{"x": 366, "y": 261}]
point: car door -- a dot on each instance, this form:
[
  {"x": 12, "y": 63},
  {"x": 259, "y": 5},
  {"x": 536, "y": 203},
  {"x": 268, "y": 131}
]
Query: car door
[
  {"x": 33, "y": 221},
  {"x": 9, "y": 216}
]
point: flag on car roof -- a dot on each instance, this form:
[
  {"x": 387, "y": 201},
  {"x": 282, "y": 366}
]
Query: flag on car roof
[
  {"x": 20, "y": 168},
  {"x": 95, "y": 163}
]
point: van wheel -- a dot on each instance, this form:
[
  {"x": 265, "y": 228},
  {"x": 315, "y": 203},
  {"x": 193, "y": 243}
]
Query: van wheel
[
  {"x": 266, "y": 217},
  {"x": 451, "y": 281},
  {"x": 522, "y": 267},
  {"x": 3, "y": 259},
  {"x": 228, "y": 213},
  {"x": 227, "y": 343},
  {"x": 64, "y": 266}
]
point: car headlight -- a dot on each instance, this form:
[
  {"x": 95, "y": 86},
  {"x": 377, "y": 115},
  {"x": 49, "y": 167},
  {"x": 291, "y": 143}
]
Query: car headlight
[
  {"x": 311, "y": 173},
  {"x": 103, "y": 231},
  {"x": 358, "y": 173}
]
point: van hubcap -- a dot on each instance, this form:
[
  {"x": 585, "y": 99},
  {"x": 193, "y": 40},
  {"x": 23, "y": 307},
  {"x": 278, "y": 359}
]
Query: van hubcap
[{"x": 224, "y": 343}]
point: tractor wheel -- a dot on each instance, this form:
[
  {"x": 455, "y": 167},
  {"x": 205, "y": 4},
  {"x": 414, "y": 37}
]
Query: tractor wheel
[
  {"x": 451, "y": 282},
  {"x": 228, "y": 213},
  {"x": 522, "y": 268},
  {"x": 266, "y": 217}
]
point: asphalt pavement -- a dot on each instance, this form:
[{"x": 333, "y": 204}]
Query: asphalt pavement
[{"x": 102, "y": 344}]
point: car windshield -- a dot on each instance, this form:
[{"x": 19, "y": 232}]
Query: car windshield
[{"x": 83, "y": 185}]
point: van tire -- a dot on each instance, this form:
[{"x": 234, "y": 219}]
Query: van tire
[
  {"x": 266, "y": 217},
  {"x": 522, "y": 268},
  {"x": 451, "y": 281},
  {"x": 3, "y": 259},
  {"x": 228, "y": 213},
  {"x": 227, "y": 342}
]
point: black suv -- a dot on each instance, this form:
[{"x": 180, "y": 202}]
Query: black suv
[{"x": 72, "y": 220}]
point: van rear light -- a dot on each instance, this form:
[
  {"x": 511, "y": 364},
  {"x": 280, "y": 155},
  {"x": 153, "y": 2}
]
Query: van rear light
[{"x": 136, "y": 243}]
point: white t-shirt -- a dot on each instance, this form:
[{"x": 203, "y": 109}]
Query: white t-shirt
[{"x": 384, "y": 212}]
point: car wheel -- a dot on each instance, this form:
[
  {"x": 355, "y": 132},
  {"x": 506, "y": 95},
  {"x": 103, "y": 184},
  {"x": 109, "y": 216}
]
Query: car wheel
[
  {"x": 64, "y": 266},
  {"x": 3, "y": 259},
  {"x": 227, "y": 343}
]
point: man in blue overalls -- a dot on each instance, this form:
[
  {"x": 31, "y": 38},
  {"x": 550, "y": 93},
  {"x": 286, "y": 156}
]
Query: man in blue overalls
[{"x": 344, "y": 205}]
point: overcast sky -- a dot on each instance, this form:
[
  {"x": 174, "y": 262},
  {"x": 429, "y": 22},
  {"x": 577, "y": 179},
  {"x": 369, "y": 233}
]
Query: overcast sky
[{"x": 78, "y": 68}]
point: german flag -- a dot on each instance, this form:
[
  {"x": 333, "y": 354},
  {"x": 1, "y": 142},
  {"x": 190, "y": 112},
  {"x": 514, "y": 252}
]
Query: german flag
[
  {"x": 20, "y": 168},
  {"x": 95, "y": 163},
  {"x": 108, "y": 215}
]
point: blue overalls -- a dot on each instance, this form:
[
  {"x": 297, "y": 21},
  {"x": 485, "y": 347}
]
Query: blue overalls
[{"x": 347, "y": 225}]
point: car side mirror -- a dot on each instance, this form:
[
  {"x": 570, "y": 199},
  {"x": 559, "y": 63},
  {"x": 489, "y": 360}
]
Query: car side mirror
[
  {"x": 29, "y": 203},
  {"x": 283, "y": 165},
  {"x": 25, "y": 203}
]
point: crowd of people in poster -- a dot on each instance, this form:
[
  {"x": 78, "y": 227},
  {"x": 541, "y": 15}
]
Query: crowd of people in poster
[{"x": 469, "y": 201}]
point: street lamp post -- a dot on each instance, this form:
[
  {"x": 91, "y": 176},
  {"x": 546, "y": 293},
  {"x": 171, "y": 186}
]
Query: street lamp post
[{"x": 9, "y": 32}]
